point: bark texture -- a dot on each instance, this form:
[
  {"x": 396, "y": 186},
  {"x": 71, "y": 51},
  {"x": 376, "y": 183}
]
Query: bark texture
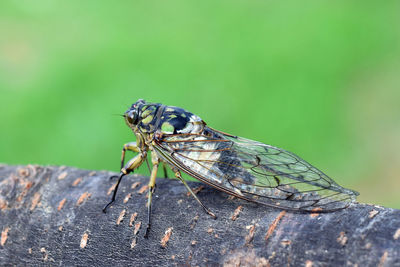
[{"x": 52, "y": 216}]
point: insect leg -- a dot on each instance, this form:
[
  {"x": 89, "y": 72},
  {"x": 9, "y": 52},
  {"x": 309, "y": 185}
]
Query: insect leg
[
  {"x": 132, "y": 146},
  {"x": 129, "y": 167},
  {"x": 152, "y": 187},
  {"x": 128, "y": 146},
  {"x": 165, "y": 171},
  {"x": 207, "y": 210}
]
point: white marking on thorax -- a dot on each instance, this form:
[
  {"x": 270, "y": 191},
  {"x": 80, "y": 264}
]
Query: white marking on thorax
[{"x": 195, "y": 125}]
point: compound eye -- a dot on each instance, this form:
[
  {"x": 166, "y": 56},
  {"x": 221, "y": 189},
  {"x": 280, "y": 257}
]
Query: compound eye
[{"x": 130, "y": 117}]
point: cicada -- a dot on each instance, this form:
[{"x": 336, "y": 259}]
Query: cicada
[{"x": 241, "y": 167}]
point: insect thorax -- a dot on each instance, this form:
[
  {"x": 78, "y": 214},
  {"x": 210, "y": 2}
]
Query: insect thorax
[{"x": 168, "y": 120}]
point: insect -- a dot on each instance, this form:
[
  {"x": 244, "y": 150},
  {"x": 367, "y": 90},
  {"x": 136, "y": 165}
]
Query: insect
[{"x": 241, "y": 167}]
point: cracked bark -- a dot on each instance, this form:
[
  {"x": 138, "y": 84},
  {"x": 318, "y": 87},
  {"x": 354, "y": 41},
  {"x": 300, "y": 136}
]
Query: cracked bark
[{"x": 52, "y": 215}]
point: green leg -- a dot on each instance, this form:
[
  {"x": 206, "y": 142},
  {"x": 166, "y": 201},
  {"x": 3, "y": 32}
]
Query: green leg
[
  {"x": 165, "y": 170},
  {"x": 152, "y": 186},
  {"x": 128, "y": 168},
  {"x": 208, "y": 211},
  {"x": 131, "y": 146}
]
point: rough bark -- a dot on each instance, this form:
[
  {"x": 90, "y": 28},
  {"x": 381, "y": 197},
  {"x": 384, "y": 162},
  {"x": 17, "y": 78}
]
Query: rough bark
[{"x": 52, "y": 216}]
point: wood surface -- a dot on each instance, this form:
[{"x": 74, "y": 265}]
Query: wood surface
[{"x": 51, "y": 215}]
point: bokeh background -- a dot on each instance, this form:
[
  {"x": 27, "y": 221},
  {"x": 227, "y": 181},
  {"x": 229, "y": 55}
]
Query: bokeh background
[{"x": 318, "y": 78}]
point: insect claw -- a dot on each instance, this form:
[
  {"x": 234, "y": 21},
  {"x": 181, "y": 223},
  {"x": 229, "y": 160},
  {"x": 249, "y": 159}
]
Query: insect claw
[
  {"x": 115, "y": 190},
  {"x": 211, "y": 214},
  {"x": 146, "y": 234},
  {"x": 106, "y": 206},
  {"x": 114, "y": 176}
]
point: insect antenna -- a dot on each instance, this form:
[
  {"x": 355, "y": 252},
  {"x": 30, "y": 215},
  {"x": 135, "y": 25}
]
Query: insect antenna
[{"x": 118, "y": 115}]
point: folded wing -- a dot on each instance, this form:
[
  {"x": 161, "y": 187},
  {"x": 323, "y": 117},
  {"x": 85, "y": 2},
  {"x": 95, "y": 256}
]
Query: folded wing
[{"x": 254, "y": 171}]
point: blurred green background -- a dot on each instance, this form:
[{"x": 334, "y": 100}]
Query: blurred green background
[{"x": 318, "y": 78}]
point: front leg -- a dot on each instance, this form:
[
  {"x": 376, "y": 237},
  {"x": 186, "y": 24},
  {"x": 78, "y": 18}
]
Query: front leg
[
  {"x": 131, "y": 146},
  {"x": 129, "y": 167}
]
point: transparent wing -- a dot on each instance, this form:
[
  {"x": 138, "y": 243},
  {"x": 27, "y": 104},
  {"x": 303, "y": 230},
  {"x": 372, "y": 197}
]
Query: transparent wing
[{"x": 254, "y": 171}]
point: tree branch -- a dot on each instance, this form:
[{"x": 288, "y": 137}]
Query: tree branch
[{"x": 52, "y": 215}]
